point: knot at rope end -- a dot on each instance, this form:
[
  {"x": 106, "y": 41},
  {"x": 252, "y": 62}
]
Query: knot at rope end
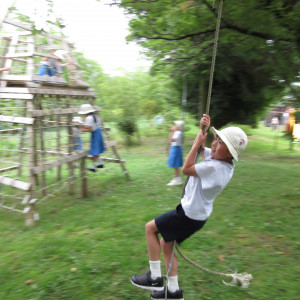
[{"x": 240, "y": 279}]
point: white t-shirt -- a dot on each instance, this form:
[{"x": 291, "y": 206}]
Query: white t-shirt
[
  {"x": 201, "y": 191},
  {"x": 177, "y": 138},
  {"x": 90, "y": 121},
  {"x": 275, "y": 121},
  {"x": 76, "y": 132}
]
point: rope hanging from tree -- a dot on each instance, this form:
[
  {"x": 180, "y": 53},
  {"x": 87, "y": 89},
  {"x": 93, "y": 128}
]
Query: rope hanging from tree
[{"x": 242, "y": 279}]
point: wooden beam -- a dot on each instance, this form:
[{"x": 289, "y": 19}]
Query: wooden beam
[
  {"x": 65, "y": 160},
  {"x": 16, "y": 78},
  {"x": 111, "y": 144},
  {"x": 5, "y": 37},
  {"x": 24, "y": 78},
  {"x": 50, "y": 79},
  {"x": 25, "y": 27},
  {"x": 57, "y": 111},
  {"x": 15, "y": 90},
  {"x": 114, "y": 160},
  {"x": 25, "y": 186},
  {"x": 63, "y": 92},
  {"x": 49, "y": 152},
  {"x": 10, "y": 130},
  {"x": 9, "y": 168},
  {"x": 47, "y": 47},
  {"x": 20, "y": 120},
  {"x": 18, "y": 54},
  {"x": 16, "y": 96},
  {"x": 15, "y": 59},
  {"x": 17, "y": 24},
  {"x": 20, "y": 93},
  {"x": 11, "y": 209}
]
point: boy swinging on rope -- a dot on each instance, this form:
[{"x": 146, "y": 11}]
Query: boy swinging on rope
[{"x": 207, "y": 179}]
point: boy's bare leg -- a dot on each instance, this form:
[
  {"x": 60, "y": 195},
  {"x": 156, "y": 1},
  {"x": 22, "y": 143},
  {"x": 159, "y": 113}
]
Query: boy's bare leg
[
  {"x": 177, "y": 172},
  {"x": 167, "y": 251},
  {"x": 152, "y": 280},
  {"x": 153, "y": 244}
]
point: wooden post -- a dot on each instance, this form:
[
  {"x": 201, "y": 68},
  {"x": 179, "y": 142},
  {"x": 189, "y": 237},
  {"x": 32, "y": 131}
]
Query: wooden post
[
  {"x": 6, "y": 46},
  {"x": 30, "y": 221},
  {"x": 30, "y": 60},
  {"x": 70, "y": 150},
  {"x": 107, "y": 135},
  {"x": 58, "y": 138},
  {"x": 42, "y": 145},
  {"x": 32, "y": 163},
  {"x": 83, "y": 176}
]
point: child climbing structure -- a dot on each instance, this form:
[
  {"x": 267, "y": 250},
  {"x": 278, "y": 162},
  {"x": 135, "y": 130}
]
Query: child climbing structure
[{"x": 38, "y": 156}]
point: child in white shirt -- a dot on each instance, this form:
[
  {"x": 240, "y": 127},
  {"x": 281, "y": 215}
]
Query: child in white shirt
[
  {"x": 207, "y": 179},
  {"x": 76, "y": 133},
  {"x": 92, "y": 124},
  {"x": 175, "y": 154}
]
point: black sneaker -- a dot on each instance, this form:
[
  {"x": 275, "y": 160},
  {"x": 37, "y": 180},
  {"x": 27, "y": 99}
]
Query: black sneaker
[
  {"x": 100, "y": 166},
  {"x": 160, "y": 295},
  {"x": 147, "y": 283},
  {"x": 92, "y": 169}
]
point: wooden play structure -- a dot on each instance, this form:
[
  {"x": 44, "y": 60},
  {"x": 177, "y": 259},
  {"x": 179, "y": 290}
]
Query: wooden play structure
[{"x": 37, "y": 156}]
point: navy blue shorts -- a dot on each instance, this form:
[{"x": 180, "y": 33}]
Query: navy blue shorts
[{"x": 176, "y": 226}]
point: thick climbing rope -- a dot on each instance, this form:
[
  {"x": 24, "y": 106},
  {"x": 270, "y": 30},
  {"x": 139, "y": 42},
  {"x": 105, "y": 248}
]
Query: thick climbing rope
[{"x": 242, "y": 279}]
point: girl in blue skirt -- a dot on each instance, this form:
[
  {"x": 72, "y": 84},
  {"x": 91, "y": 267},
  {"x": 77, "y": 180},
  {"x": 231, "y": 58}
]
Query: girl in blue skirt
[
  {"x": 93, "y": 124},
  {"x": 175, "y": 155}
]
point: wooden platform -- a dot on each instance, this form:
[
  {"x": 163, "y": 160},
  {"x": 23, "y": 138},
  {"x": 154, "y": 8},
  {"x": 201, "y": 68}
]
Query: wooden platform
[{"x": 28, "y": 93}]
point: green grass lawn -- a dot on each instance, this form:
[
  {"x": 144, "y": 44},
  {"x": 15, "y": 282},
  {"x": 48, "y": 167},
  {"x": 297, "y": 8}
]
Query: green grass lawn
[{"x": 89, "y": 248}]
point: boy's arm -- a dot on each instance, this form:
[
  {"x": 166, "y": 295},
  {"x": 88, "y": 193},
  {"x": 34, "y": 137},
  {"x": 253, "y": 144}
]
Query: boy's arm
[
  {"x": 189, "y": 164},
  {"x": 86, "y": 128}
]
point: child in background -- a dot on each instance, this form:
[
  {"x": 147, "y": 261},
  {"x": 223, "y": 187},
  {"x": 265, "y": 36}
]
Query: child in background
[
  {"x": 56, "y": 65},
  {"x": 44, "y": 68},
  {"x": 207, "y": 179},
  {"x": 175, "y": 155},
  {"x": 275, "y": 122},
  {"x": 76, "y": 133},
  {"x": 93, "y": 124}
]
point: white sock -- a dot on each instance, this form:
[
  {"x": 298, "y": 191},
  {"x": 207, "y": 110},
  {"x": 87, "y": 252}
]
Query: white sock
[
  {"x": 94, "y": 164},
  {"x": 100, "y": 161},
  {"x": 173, "y": 284},
  {"x": 155, "y": 268}
]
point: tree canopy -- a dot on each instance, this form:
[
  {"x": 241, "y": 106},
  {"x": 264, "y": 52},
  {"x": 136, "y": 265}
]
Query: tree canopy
[{"x": 258, "y": 52}]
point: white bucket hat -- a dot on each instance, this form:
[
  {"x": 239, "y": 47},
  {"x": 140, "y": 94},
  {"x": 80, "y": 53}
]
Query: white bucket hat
[
  {"x": 61, "y": 54},
  {"x": 77, "y": 120},
  {"x": 180, "y": 124},
  {"x": 235, "y": 139},
  {"x": 85, "y": 109}
]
